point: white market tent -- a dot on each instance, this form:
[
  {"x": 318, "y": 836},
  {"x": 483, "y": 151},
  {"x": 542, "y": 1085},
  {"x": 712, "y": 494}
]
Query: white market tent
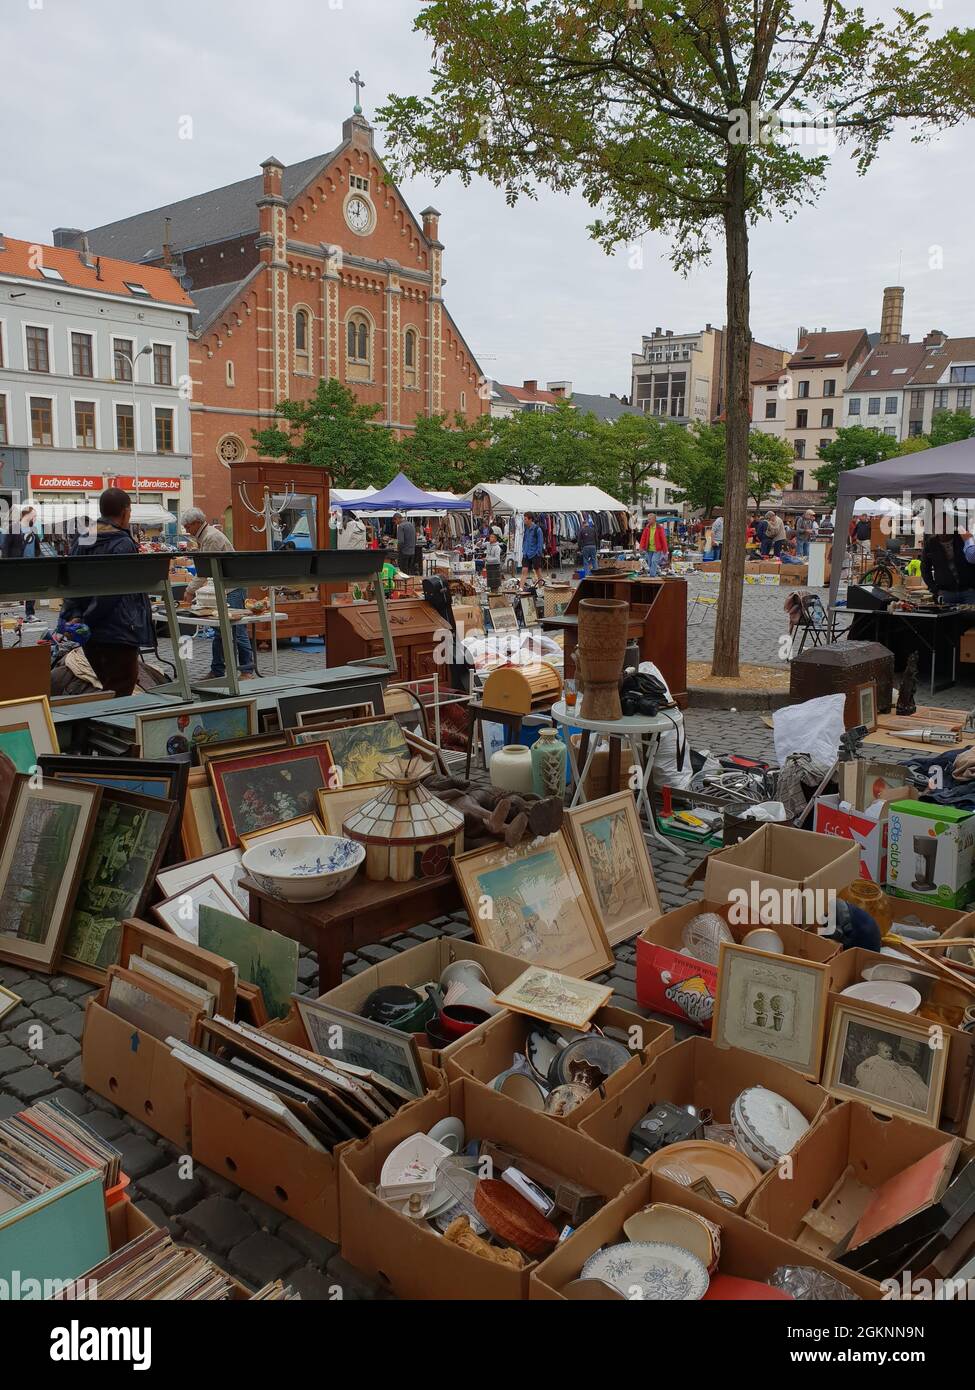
[
  {"x": 518, "y": 498},
  {"x": 53, "y": 515}
]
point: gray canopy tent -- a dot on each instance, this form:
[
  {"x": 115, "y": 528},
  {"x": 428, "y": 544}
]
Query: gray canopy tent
[{"x": 947, "y": 471}]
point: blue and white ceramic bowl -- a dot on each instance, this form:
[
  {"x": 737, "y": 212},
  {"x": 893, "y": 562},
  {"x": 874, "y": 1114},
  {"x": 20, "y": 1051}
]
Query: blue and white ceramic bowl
[{"x": 305, "y": 869}]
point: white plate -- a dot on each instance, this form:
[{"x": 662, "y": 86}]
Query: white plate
[
  {"x": 889, "y": 994},
  {"x": 449, "y": 1133},
  {"x": 649, "y": 1270},
  {"x": 414, "y": 1160}
]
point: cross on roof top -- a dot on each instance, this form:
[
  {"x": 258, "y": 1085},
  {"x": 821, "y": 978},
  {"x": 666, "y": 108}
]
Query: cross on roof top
[{"x": 358, "y": 84}]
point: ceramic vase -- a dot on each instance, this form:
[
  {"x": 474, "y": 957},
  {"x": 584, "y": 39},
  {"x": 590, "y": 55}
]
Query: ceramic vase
[
  {"x": 599, "y": 658},
  {"x": 511, "y": 769},
  {"x": 548, "y": 764}
]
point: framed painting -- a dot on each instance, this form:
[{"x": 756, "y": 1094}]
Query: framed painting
[
  {"x": 284, "y": 830},
  {"x": 164, "y": 779},
  {"x": 200, "y": 826},
  {"x": 187, "y": 728},
  {"x": 335, "y": 803},
  {"x": 607, "y": 838},
  {"x": 531, "y": 903},
  {"x": 772, "y": 1005},
  {"x": 127, "y": 846},
  {"x": 359, "y": 1042},
  {"x": 225, "y": 865},
  {"x": 27, "y": 731},
  {"x": 8, "y": 1001},
  {"x": 258, "y": 790},
  {"x": 181, "y": 913},
  {"x": 358, "y": 750},
  {"x": 44, "y": 839},
  {"x": 867, "y": 705},
  {"x": 886, "y": 1062},
  {"x": 302, "y": 709},
  {"x": 259, "y": 743},
  {"x": 427, "y": 749},
  {"x": 341, "y": 714}
]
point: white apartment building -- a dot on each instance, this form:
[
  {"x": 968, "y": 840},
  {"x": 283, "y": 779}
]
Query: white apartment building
[{"x": 94, "y": 377}]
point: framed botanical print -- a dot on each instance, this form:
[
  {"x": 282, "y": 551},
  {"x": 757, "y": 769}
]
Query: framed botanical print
[
  {"x": 44, "y": 839},
  {"x": 335, "y": 803},
  {"x": 359, "y": 750},
  {"x": 27, "y": 731},
  {"x": 772, "y": 1005},
  {"x": 187, "y": 728},
  {"x": 181, "y": 913},
  {"x": 886, "y": 1062},
  {"x": 127, "y": 846},
  {"x": 226, "y": 866},
  {"x": 531, "y": 903},
  {"x": 608, "y": 841},
  {"x": 258, "y": 790}
]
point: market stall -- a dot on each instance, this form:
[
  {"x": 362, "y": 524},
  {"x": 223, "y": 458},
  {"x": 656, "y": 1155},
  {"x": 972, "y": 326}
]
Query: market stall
[{"x": 559, "y": 511}]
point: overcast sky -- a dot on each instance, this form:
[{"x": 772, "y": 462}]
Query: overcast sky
[{"x": 94, "y": 91}]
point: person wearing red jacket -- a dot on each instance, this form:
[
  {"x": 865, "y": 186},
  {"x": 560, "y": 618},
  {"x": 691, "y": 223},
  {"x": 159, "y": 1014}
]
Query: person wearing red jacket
[{"x": 653, "y": 543}]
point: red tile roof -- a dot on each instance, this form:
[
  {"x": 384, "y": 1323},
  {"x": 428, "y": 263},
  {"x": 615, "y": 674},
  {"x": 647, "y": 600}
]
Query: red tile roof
[
  {"x": 818, "y": 349},
  {"x": 520, "y": 394},
  {"x": 938, "y": 357},
  {"x": 24, "y": 259},
  {"x": 880, "y": 371}
]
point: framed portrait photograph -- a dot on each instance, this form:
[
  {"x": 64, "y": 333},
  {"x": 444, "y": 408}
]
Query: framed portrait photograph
[
  {"x": 181, "y": 914},
  {"x": 226, "y": 865},
  {"x": 335, "y": 803},
  {"x": 530, "y": 902},
  {"x": 318, "y": 705},
  {"x": 360, "y": 1043},
  {"x": 286, "y": 830},
  {"x": 27, "y": 731},
  {"x": 359, "y": 750},
  {"x": 774, "y": 1006},
  {"x": 885, "y": 1063},
  {"x": 126, "y": 850},
  {"x": 44, "y": 839},
  {"x": 607, "y": 838},
  {"x": 186, "y": 728},
  {"x": 258, "y": 790}
]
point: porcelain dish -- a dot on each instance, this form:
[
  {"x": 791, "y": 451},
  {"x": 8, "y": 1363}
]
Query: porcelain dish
[
  {"x": 766, "y": 1126},
  {"x": 650, "y": 1270},
  {"x": 306, "y": 869}
]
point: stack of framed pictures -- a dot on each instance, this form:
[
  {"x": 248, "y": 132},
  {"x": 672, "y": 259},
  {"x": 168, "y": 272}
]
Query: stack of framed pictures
[{"x": 27, "y": 731}]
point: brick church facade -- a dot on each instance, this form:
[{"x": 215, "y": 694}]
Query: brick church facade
[{"x": 313, "y": 270}]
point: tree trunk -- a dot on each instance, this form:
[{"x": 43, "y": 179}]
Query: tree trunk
[{"x": 727, "y": 627}]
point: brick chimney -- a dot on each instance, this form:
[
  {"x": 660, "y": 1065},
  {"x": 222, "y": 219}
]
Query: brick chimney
[
  {"x": 69, "y": 237},
  {"x": 561, "y": 388},
  {"x": 529, "y": 385},
  {"x": 273, "y": 174},
  {"x": 892, "y": 316},
  {"x": 431, "y": 224},
  {"x": 935, "y": 338}
]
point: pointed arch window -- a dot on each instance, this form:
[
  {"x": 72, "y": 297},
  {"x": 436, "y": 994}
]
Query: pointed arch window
[
  {"x": 358, "y": 348},
  {"x": 302, "y": 341},
  {"x": 411, "y": 358}
]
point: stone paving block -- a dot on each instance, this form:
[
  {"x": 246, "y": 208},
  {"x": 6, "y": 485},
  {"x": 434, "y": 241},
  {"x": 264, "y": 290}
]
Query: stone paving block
[
  {"x": 358, "y": 968},
  {"x": 622, "y": 970},
  {"x": 58, "y": 1051},
  {"x": 461, "y": 929},
  {"x": 217, "y": 1222},
  {"x": 33, "y": 990},
  {"x": 71, "y": 989},
  {"x": 355, "y": 1286},
  {"x": 71, "y": 1100},
  {"x": 215, "y": 1184},
  {"x": 314, "y": 1247},
  {"x": 72, "y": 1025},
  {"x": 267, "y": 1217},
  {"x": 307, "y": 970},
  {"x": 72, "y": 1075},
  {"x": 263, "y": 1257},
  {"x": 623, "y": 1001},
  {"x": 149, "y": 1209},
  {"x": 13, "y": 1059},
  {"x": 170, "y": 1190},
  {"x": 16, "y": 1017},
  {"x": 312, "y": 1285},
  {"x": 376, "y": 953},
  {"x": 139, "y": 1157},
  {"x": 110, "y": 1127},
  {"x": 12, "y": 977},
  {"x": 425, "y": 932},
  {"x": 31, "y": 1084},
  {"x": 55, "y": 1007}
]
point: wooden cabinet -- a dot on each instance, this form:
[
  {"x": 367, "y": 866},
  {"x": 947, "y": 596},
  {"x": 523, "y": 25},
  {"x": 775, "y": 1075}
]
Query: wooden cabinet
[{"x": 353, "y": 632}]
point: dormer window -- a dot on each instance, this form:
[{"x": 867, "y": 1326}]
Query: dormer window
[
  {"x": 50, "y": 273},
  {"x": 138, "y": 290}
]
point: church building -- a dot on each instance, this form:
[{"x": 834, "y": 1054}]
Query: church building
[{"x": 310, "y": 270}]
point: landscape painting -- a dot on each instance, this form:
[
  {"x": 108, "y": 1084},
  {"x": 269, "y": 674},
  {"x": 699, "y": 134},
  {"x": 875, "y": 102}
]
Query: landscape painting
[
  {"x": 264, "y": 958},
  {"x": 608, "y": 840},
  {"x": 17, "y": 743},
  {"x": 26, "y": 731}
]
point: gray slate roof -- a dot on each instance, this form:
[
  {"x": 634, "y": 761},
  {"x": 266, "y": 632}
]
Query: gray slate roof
[
  {"x": 207, "y": 217},
  {"x": 603, "y": 407},
  {"x": 211, "y": 300}
]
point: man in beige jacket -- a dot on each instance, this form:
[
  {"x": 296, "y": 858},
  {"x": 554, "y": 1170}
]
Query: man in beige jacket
[{"x": 207, "y": 537}]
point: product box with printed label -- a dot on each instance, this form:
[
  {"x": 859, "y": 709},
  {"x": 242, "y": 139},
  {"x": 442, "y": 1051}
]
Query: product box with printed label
[{"x": 931, "y": 853}]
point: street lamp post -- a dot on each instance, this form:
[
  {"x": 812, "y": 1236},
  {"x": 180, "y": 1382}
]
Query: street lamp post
[{"x": 126, "y": 357}]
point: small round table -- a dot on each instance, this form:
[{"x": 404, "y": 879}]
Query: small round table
[{"x": 634, "y": 729}]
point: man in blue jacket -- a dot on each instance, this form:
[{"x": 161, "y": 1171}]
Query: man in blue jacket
[
  {"x": 532, "y": 548},
  {"x": 120, "y": 623}
]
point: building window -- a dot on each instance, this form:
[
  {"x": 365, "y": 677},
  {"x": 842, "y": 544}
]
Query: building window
[
  {"x": 358, "y": 345},
  {"x": 855, "y": 406},
  {"x": 463, "y": 400},
  {"x": 771, "y": 408},
  {"x": 827, "y": 421},
  {"x": 84, "y": 424},
  {"x": 38, "y": 356},
  {"x": 2, "y": 359},
  {"x": 829, "y": 388},
  {"x": 41, "y": 421},
  {"x": 800, "y": 448},
  {"x": 802, "y": 419},
  {"x": 411, "y": 355},
  {"x": 125, "y": 428},
  {"x": 798, "y": 480},
  {"x": 964, "y": 400},
  {"x": 916, "y": 428},
  {"x": 873, "y": 405},
  {"x": 962, "y": 374},
  {"x": 891, "y": 430},
  {"x": 82, "y": 361},
  {"x": 231, "y": 378},
  {"x": 804, "y": 390},
  {"x": 824, "y": 444},
  {"x": 890, "y": 405},
  {"x": 4, "y": 431},
  {"x": 164, "y": 431},
  {"x": 230, "y": 449},
  {"x": 941, "y": 400},
  {"x": 162, "y": 364},
  {"x": 917, "y": 400},
  {"x": 123, "y": 356},
  {"x": 302, "y": 341}
]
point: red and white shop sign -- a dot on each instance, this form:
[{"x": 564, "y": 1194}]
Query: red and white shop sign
[
  {"x": 150, "y": 484},
  {"x": 61, "y": 482}
]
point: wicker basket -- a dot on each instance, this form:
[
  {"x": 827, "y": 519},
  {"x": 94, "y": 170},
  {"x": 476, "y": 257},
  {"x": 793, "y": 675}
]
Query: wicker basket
[{"x": 511, "y": 1217}]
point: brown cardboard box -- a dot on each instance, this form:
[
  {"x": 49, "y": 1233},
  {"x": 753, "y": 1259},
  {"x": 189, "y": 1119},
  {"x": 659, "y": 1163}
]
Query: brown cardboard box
[
  {"x": 836, "y": 1166},
  {"x": 847, "y": 969},
  {"x": 136, "y": 1071},
  {"x": 945, "y": 920},
  {"x": 127, "y": 1223},
  {"x": 698, "y": 1073},
  {"x": 269, "y": 1162},
  {"x": 780, "y": 858},
  {"x": 414, "y": 1260},
  {"x": 490, "y": 1050},
  {"x": 596, "y": 784},
  {"x": 746, "y": 1251},
  {"x": 420, "y": 964}
]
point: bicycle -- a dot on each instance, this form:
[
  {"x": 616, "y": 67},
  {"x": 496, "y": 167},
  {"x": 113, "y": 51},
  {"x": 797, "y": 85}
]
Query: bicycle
[{"x": 885, "y": 570}]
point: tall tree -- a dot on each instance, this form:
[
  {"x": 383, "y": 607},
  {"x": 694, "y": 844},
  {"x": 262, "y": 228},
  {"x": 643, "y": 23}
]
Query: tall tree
[
  {"x": 445, "y": 457},
  {"x": 700, "y": 474},
  {"x": 950, "y": 426},
  {"x": 333, "y": 431},
  {"x": 682, "y": 116},
  {"x": 552, "y": 446},
  {"x": 854, "y": 447},
  {"x": 635, "y": 449},
  {"x": 770, "y": 464}
]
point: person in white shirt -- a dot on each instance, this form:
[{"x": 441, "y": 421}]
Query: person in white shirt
[
  {"x": 352, "y": 536},
  {"x": 717, "y": 535}
]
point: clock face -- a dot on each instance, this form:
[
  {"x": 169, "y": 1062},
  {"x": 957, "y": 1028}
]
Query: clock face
[{"x": 358, "y": 214}]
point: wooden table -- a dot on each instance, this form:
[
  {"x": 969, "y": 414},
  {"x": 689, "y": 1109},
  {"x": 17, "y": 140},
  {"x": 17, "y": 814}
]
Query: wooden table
[{"x": 360, "y": 915}]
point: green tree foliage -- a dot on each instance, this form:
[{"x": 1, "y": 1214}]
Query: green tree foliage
[
  {"x": 332, "y": 430},
  {"x": 950, "y": 426},
  {"x": 695, "y": 118},
  {"x": 770, "y": 464},
  {"x": 700, "y": 474},
  {"x": 443, "y": 456},
  {"x": 635, "y": 449},
  {"x": 554, "y": 446},
  {"x": 853, "y": 447}
]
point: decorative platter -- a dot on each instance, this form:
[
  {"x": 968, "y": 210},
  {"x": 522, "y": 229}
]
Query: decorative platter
[{"x": 649, "y": 1270}]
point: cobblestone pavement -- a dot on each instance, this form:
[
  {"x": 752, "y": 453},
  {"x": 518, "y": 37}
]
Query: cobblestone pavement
[{"x": 40, "y": 1041}]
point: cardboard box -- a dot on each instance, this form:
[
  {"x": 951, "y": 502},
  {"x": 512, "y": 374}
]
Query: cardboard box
[
  {"x": 931, "y": 853},
  {"x": 490, "y": 1050},
  {"x": 835, "y": 1168},
  {"x": 416, "y": 967},
  {"x": 944, "y": 920},
  {"x": 747, "y": 1252},
  {"x": 779, "y": 860},
  {"x": 698, "y": 1073},
  {"x": 864, "y": 781},
  {"x": 670, "y": 983},
  {"x": 413, "y": 1260},
  {"x": 847, "y": 969},
  {"x": 596, "y": 784},
  {"x": 135, "y": 1071},
  {"x": 868, "y": 832},
  {"x": 966, "y": 645}
]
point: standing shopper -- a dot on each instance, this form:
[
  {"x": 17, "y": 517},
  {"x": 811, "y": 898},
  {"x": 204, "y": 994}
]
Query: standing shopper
[
  {"x": 806, "y": 531},
  {"x": 120, "y": 624},
  {"x": 352, "y": 535},
  {"x": 210, "y": 539},
  {"x": 405, "y": 543},
  {"x": 22, "y": 542},
  {"x": 532, "y": 548},
  {"x": 653, "y": 543},
  {"x": 775, "y": 533},
  {"x": 717, "y": 535},
  {"x": 587, "y": 544}
]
